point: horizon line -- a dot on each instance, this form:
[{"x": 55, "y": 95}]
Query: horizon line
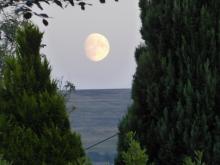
[{"x": 101, "y": 88}]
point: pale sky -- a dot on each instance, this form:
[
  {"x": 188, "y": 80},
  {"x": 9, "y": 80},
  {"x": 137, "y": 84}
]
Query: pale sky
[{"x": 66, "y": 34}]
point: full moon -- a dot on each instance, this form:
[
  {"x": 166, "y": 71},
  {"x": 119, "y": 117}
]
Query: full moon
[{"x": 96, "y": 47}]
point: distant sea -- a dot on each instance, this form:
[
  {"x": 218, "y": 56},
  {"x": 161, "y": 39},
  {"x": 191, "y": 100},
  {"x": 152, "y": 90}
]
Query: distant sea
[{"x": 96, "y": 117}]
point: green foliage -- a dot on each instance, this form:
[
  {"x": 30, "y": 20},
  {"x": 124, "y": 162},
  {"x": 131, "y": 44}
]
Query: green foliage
[
  {"x": 175, "y": 108},
  {"x": 134, "y": 154},
  {"x": 34, "y": 125},
  {"x": 3, "y": 162},
  {"x": 198, "y": 159},
  {"x": 8, "y": 26},
  {"x": 82, "y": 161}
]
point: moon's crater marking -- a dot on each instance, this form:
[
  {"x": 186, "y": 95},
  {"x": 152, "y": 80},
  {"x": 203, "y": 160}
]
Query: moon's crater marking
[{"x": 97, "y": 47}]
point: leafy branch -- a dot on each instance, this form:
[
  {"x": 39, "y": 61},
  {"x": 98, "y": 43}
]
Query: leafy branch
[{"x": 24, "y": 7}]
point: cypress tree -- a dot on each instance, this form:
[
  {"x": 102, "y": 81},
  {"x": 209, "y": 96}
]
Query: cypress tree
[
  {"x": 176, "y": 86},
  {"x": 35, "y": 129}
]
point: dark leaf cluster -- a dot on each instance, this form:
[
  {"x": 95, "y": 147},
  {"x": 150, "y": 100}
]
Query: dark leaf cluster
[{"x": 25, "y": 6}]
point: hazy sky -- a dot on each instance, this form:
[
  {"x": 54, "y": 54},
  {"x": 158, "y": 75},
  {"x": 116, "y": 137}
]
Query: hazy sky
[{"x": 66, "y": 34}]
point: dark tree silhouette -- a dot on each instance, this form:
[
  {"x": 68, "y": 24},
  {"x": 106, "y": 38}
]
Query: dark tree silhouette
[{"x": 175, "y": 92}]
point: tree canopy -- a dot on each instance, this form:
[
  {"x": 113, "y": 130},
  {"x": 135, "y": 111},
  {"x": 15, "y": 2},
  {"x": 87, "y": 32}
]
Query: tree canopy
[{"x": 175, "y": 108}]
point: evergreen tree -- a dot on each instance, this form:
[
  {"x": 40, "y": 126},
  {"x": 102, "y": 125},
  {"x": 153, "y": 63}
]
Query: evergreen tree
[
  {"x": 176, "y": 86},
  {"x": 34, "y": 126},
  {"x": 134, "y": 155},
  {"x": 198, "y": 159}
]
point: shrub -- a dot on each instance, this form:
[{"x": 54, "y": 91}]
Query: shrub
[{"x": 36, "y": 128}]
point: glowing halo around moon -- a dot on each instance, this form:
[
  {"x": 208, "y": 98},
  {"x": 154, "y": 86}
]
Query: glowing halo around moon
[{"x": 96, "y": 47}]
